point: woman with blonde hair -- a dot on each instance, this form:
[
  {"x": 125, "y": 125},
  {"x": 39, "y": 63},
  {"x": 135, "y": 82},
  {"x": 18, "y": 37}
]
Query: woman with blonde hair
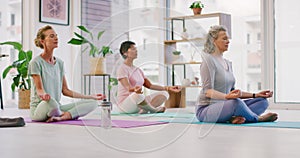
[{"x": 48, "y": 81}]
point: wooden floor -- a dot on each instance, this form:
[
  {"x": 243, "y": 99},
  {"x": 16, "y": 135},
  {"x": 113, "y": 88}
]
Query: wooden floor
[{"x": 168, "y": 140}]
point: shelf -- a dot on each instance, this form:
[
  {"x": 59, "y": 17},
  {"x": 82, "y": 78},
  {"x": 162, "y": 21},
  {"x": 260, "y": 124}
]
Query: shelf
[
  {"x": 182, "y": 63},
  {"x": 191, "y": 86},
  {"x": 96, "y": 74},
  {"x": 211, "y": 15},
  {"x": 223, "y": 18},
  {"x": 183, "y": 40},
  {"x": 172, "y": 43}
]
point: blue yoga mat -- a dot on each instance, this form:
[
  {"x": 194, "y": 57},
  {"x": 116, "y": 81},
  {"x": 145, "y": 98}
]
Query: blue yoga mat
[
  {"x": 165, "y": 114},
  {"x": 277, "y": 124}
]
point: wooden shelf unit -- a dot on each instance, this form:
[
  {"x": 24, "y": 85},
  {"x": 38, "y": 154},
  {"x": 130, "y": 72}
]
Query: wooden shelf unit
[
  {"x": 223, "y": 18},
  {"x": 179, "y": 99}
]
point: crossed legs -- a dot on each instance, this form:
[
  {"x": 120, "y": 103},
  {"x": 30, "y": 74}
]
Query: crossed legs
[
  {"x": 236, "y": 111},
  {"x": 52, "y": 111},
  {"x": 139, "y": 103}
]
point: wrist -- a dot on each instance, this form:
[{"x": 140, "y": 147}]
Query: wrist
[
  {"x": 131, "y": 90},
  {"x": 225, "y": 97},
  {"x": 166, "y": 88},
  {"x": 253, "y": 95}
]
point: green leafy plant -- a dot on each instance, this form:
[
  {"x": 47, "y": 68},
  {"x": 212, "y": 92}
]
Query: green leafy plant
[
  {"x": 94, "y": 50},
  {"x": 176, "y": 52},
  {"x": 112, "y": 82},
  {"x": 197, "y": 4},
  {"x": 21, "y": 79}
]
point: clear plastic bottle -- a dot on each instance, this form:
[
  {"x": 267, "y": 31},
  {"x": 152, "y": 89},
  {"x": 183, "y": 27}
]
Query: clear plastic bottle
[{"x": 106, "y": 114}]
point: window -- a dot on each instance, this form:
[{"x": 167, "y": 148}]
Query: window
[
  {"x": 10, "y": 28},
  {"x": 148, "y": 36},
  {"x": 100, "y": 15},
  {"x": 135, "y": 20},
  {"x": 12, "y": 19},
  {"x": 258, "y": 37},
  {"x": 248, "y": 38},
  {"x": 259, "y": 86},
  {"x": 287, "y": 51},
  {"x": 0, "y": 19}
]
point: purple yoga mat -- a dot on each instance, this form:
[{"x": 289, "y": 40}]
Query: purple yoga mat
[{"x": 96, "y": 122}]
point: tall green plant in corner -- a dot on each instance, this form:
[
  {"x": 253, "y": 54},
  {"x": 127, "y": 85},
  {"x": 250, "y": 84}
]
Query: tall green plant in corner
[
  {"x": 21, "y": 79},
  {"x": 94, "y": 50}
]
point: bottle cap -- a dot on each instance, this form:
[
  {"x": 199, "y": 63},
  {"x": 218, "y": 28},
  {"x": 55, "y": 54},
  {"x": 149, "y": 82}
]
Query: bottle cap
[{"x": 105, "y": 103}]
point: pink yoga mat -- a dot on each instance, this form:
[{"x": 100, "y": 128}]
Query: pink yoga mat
[{"x": 96, "y": 122}]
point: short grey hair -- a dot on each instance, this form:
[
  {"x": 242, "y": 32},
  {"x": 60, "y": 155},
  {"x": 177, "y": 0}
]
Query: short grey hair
[{"x": 212, "y": 35}]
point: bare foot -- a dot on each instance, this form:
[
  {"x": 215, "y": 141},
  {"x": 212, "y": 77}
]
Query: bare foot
[
  {"x": 237, "y": 120},
  {"x": 64, "y": 116},
  {"x": 143, "y": 111},
  {"x": 269, "y": 117},
  {"x": 54, "y": 119},
  {"x": 160, "y": 109}
]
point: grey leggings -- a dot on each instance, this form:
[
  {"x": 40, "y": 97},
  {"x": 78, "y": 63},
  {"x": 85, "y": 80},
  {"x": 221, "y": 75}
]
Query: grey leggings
[
  {"x": 46, "y": 109},
  {"x": 223, "y": 111}
]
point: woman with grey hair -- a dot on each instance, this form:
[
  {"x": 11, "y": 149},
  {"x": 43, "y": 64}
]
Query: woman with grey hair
[{"x": 219, "y": 101}]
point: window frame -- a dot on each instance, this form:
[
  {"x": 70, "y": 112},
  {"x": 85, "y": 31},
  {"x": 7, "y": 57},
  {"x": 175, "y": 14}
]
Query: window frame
[{"x": 268, "y": 69}]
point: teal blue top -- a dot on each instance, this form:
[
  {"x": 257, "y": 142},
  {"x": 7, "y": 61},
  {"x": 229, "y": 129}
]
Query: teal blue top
[{"x": 51, "y": 76}]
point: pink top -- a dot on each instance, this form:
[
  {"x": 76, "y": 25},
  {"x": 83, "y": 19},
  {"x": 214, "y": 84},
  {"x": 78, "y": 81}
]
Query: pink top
[{"x": 135, "y": 77}]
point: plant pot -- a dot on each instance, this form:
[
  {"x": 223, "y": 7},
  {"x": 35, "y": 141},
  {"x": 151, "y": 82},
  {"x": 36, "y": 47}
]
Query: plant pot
[
  {"x": 24, "y": 99},
  {"x": 97, "y": 65},
  {"x": 184, "y": 35},
  {"x": 197, "y": 11},
  {"x": 177, "y": 58}
]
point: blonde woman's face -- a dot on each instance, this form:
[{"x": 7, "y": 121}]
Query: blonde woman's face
[
  {"x": 222, "y": 42},
  {"x": 51, "y": 39}
]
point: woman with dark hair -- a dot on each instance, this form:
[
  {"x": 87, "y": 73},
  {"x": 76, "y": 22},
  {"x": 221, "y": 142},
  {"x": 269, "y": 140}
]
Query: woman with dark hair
[
  {"x": 131, "y": 79},
  {"x": 48, "y": 81},
  {"x": 219, "y": 101}
]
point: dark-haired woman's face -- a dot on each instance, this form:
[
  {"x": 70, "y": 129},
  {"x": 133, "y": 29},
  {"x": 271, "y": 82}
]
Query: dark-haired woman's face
[
  {"x": 51, "y": 39},
  {"x": 222, "y": 42},
  {"x": 132, "y": 52}
]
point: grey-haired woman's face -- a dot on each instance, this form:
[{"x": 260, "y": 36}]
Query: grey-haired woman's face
[{"x": 222, "y": 42}]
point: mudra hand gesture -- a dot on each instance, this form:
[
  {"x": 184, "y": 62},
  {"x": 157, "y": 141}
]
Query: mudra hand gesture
[
  {"x": 174, "y": 89},
  {"x": 234, "y": 94},
  {"x": 138, "y": 89},
  {"x": 264, "y": 94}
]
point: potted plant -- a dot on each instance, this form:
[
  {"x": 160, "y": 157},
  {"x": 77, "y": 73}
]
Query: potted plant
[
  {"x": 20, "y": 79},
  {"x": 96, "y": 53},
  {"x": 197, "y": 7},
  {"x": 184, "y": 34}
]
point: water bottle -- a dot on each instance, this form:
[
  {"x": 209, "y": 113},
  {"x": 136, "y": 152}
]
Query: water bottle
[{"x": 106, "y": 114}]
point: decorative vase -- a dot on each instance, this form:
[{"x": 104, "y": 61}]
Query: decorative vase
[
  {"x": 98, "y": 65},
  {"x": 197, "y": 11},
  {"x": 184, "y": 34},
  {"x": 186, "y": 82},
  {"x": 24, "y": 99}
]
